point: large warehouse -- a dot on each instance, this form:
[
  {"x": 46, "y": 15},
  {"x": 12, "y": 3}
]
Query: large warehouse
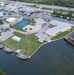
[{"x": 59, "y": 27}]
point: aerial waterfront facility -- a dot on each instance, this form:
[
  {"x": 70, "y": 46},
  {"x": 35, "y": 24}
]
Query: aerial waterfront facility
[{"x": 59, "y": 27}]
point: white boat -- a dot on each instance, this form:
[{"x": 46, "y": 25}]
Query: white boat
[{"x": 1, "y": 46}]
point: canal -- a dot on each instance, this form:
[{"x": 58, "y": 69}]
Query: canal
[{"x": 56, "y": 58}]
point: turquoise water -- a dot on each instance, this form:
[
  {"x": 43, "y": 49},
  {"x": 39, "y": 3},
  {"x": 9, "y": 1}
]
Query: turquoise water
[{"x": 22, "y": 23}]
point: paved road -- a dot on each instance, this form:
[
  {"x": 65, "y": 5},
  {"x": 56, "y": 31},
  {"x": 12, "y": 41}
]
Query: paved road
[
  {"x": 45, "y": 6},
  {"x": 6, "y": 35}
]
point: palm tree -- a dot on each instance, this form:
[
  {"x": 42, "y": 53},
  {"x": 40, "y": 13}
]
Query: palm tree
[
  {"x": 25, "y": 29},
  {"x": 30, "y": 28},
  {"x": 9, "y": 14},
  {"x": 4, "y": 19},
  {"x": 61, "y": 11}
]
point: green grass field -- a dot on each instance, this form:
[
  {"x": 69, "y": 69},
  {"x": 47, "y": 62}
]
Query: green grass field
[
  {"x": 28, "y": 44},
  {"x": 62, "y": 34},
  {"x": 17, "y": 28}
]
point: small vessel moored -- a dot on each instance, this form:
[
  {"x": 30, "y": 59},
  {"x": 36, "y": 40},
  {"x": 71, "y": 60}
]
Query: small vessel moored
[
  {"x": 69, "y": 39},
  {"x": 66, "y": 38},
  {"x": 21, "y": 56},
  {"x": 7, "y": 49},
  {"x": 1, "y": 46}
]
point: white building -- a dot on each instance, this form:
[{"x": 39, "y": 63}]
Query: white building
[
  {"x": 59, "y": 27},
  {"x": 17, "y": 39},
  {"x": 11, "y": 20},
  {"x": 29, "y": 10},
  {"x": 2, "y": 4},
  {"x": 1, "y": 14},
  {"x": 11, "y": 7}
]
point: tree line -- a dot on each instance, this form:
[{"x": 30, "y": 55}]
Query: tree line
[{"x": 66, "y": 3}]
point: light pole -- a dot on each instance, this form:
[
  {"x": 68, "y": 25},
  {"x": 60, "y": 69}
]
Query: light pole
[{"x": 52, "y": 6}]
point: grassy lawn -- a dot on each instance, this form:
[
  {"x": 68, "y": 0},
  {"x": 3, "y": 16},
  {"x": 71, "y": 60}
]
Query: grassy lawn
[
  {"x": 28, "y": 44},
  {"x": 47, "y": 8},
  {"x": 57, "y": 10},
  {"x": 63, "y": 34},
  {"x": 17, "y": 28}
]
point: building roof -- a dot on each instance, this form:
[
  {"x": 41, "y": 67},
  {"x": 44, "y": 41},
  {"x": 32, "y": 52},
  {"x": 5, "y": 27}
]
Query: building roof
[
  {"x": 16, "y": 38},
  {"x": 29, "y": 9},
  {"x": 1, "y": 14},
  {"x": 11, "y": 19},
  {"x": 59, "y": 27},
  {"x": 55, "y": 22}
]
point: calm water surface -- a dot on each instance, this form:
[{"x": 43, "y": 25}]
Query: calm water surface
[{"x": 56, "y": 58}]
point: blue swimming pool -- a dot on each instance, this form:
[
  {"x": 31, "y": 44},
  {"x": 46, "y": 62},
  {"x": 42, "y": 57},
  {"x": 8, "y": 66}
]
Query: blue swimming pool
[{"x": 22, "y": 23}]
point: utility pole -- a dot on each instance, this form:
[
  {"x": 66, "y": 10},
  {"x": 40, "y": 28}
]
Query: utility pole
[{"x": 52, "y": 6}]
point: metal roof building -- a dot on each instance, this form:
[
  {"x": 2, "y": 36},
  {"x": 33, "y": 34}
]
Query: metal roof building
[{"x": 59, "y": 27}]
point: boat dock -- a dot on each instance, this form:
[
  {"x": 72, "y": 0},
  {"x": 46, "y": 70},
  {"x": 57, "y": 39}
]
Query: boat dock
[
  {"x": 18, "y": 51},
  {"x": 18, "y": 55}
]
